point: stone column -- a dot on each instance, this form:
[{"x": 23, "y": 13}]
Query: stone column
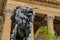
[
  {"x": 50, "y": 19},
  {"x": 32, "y": 33},
  {"x": 6, "y": 29}
]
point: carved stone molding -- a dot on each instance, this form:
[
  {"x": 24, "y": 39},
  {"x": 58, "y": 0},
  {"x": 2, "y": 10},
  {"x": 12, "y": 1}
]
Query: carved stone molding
[
  {"x": 50, "y": 17},
  {"x": 52, "y": 1}
]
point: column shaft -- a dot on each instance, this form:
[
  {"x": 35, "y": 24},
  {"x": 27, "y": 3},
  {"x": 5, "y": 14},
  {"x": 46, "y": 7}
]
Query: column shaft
[
  {"x": 6, "y": 28},
  {"x": 32, "y": 33},
  {"x": 50, "y": 19}
]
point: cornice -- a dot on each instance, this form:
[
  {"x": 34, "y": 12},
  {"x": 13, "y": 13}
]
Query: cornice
[
  {"x": 46, "y": 1},
  {"x": 54, "y": 4},
  {"x": 51, "y": 1}
]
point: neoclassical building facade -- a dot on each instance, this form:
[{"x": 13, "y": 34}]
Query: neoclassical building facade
[{"x": 47, "y": 12}]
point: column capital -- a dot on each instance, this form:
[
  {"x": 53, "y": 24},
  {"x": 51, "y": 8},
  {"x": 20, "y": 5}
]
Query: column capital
[{"x": 50, "y": 17}]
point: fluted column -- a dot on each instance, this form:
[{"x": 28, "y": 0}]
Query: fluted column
[{"x": 50, "y": 19}]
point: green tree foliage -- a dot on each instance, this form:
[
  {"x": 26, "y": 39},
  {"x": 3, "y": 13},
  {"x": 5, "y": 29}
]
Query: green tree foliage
[
  {"x": 58, "y": 38},
  {"x": 44, "y": 31}
]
